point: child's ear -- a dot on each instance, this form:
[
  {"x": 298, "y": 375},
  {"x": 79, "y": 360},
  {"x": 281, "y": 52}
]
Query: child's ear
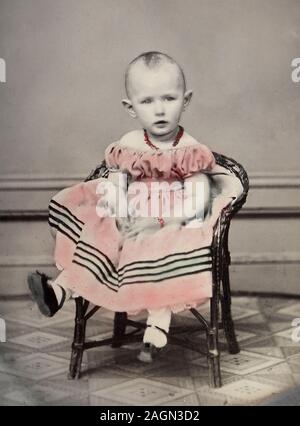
[
  {"x": 127, "y": 104},
  {"x": 187, "y": 98}
]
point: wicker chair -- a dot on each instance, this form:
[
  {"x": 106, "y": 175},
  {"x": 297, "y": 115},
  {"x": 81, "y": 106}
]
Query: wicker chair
[{"x": 221, "y": 295}]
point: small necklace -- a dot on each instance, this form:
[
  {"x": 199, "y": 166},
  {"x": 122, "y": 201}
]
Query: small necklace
[
  {"x": 149, "y": 143},
  {"x": 177, "y": 139}
]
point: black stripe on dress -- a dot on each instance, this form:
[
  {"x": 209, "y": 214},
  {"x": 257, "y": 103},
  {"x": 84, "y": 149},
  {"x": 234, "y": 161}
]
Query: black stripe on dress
[
  {"x": 101, "y": 261},
  {"x": 94, "y": 273},
  {"x": 168, "y": 256},
  {"x": 62, "y": 223},
  {"x": 101, "y": 277},
  {"x": 208, "y": 255},
  {"x": 156, "y": 270},
  {"x": 61, "y": 214},
  {"x": 101, "y": 253},
  {"x": 54, "y": 225},
  {"x": 183, "y": 274},
  {"x": 164, "y": 272},
  {"x": 67, "y": 210},
  {"x": 142, "y": 281}
]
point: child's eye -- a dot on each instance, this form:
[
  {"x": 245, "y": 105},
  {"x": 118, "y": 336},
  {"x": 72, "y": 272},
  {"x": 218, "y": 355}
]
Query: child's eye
[
  {"x": 146, "y": 101},
  {"x": 169, "y": 98}
]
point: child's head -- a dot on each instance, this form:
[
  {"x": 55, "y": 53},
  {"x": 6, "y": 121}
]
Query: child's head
[{"x": 156, "y": 90}]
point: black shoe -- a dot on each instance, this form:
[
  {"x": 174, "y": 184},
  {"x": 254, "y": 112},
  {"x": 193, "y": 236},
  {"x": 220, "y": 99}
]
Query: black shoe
[
  {"x": 44, "y": 294},
  {"x": 149, "y": 353}
]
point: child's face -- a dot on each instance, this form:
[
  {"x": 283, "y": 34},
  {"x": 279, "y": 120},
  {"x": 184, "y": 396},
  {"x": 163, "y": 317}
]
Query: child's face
[{"x": 157, "y": 98}]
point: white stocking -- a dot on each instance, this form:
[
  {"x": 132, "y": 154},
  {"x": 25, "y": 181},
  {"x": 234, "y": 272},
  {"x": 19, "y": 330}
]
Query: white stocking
[
  {"x": 59, "y": 292},
  {"x": 160, "y": 318}
]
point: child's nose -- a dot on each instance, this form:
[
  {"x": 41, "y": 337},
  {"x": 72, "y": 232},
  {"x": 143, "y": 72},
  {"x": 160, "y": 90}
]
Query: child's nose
[{"x": 159, "y": 108}]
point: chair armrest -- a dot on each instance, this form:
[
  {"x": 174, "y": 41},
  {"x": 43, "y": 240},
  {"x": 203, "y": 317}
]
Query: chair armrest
[
  {"x": 225, "y": 183},
  {"x": 99, "y": 171}
]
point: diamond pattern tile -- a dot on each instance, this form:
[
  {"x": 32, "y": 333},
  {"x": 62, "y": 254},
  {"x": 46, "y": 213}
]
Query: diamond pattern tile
[
  {"x": 143, "y": 392},
  {"x": 284, "y": 338},
  {"x": 34, "y": 361},
  {"x": 34, "y": 318},
  {"x": 38, "y": 340},
  {"x": 35, "y": 366},
  {"x": 280, "y": 374},
  {"x": 264, "y": 346},
  {"x": 240, "y": 335},
  {"x": 36, "y": 395},
  {"x": 243, "y": 363},
  {"x": 292, "y": 310},
  {"x": 295, "y": 359},
  {"x": 247, "y": 391}
]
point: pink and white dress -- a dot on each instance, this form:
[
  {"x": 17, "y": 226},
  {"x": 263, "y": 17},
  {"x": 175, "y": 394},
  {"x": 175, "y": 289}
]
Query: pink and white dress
[{"x": 166, "y": 268}]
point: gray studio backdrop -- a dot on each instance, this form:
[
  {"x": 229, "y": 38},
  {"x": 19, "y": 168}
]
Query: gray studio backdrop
[{"x": 60, "y": 107}]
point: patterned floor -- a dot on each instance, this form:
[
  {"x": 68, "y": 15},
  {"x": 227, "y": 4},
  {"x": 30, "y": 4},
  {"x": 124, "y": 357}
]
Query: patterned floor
[{"x": 34, "y": 361}]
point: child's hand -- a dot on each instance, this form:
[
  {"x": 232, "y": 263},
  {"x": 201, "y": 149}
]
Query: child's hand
[{"x": 140, "y": 225}]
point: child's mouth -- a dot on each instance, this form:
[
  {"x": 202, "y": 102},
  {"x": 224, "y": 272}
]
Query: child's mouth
[{"x": 161, "y": 123}]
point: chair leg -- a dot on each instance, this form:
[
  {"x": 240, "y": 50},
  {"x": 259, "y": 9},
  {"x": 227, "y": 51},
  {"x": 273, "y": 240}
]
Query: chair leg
[
  {"x": 213, "y": 353},
  {"x": 213, "y": 360},
  {"x": 214, "y": 371},
  {"x": 119, "y": 328},
  {"x": 228, "y": 325},
  {"x": 78, "y": 341}
]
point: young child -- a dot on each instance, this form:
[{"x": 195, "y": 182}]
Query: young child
[{"x": 128, "y": 263}]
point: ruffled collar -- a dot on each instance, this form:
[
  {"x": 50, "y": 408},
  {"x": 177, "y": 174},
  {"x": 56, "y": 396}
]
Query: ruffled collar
[{"x": 178, "y": 161}]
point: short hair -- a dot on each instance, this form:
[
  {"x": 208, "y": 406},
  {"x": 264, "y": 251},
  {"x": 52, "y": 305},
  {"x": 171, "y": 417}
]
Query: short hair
[{"x": 151, "y": 60}]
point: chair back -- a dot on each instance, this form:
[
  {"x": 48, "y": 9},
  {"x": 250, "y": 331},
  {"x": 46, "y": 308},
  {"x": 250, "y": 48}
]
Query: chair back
[{"x": 240, "y": 173}]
